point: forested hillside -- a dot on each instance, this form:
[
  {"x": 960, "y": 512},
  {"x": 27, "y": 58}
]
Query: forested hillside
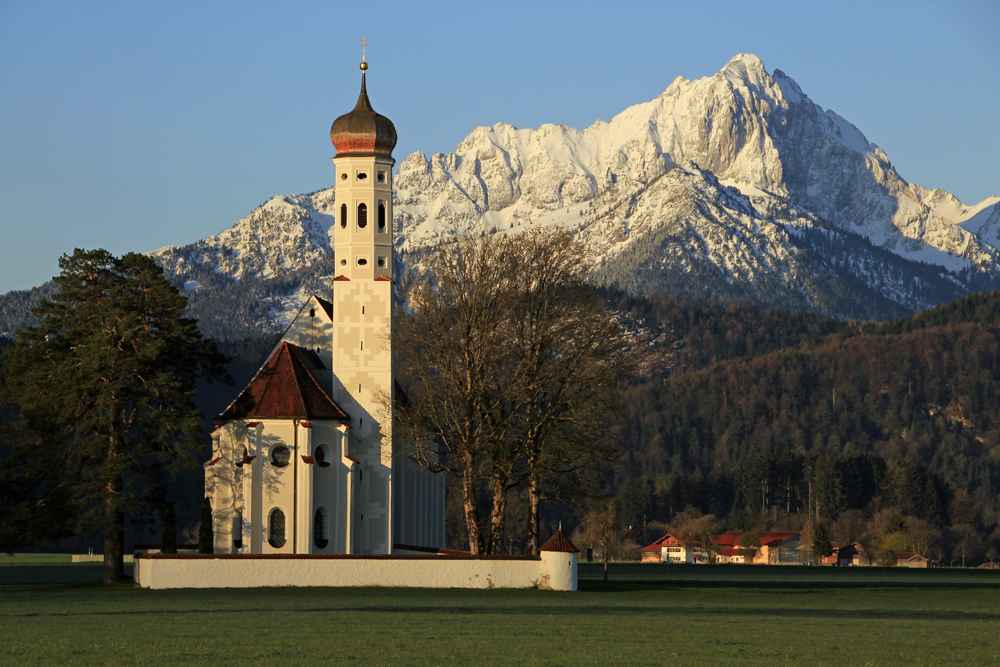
[
  {"x": 902, "y": 417},
  {"x": 676, "y": 336}
]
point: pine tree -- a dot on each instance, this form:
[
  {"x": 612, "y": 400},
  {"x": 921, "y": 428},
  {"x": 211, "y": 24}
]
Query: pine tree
[{"x": 102, "y": 393}]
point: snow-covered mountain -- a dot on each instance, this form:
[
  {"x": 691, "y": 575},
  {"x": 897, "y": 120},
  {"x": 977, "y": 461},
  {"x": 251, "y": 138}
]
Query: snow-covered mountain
[
  {"x": 734, "y": 186},
  {"x": 756, "y": 132}
]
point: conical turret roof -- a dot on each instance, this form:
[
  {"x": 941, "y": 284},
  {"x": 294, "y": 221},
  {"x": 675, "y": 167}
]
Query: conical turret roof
[{"x": 559, "y": 542}]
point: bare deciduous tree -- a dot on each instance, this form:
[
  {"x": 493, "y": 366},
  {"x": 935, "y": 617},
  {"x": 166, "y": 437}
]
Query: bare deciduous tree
[
  {"x": 602, "y": 525},
  {"x": 511, "y": 368},
  {"x": 446, "y": 356},
  {"x": 571, "y": 360}
]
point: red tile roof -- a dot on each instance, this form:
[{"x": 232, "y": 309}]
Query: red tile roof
[
  {"x": 729, "y": 540},
  {"x": 767, "y": 538},
  {"x": 559, "y": 542},
  {"x": 286, "y": 388},
  {"x": 669, "y": 538}
]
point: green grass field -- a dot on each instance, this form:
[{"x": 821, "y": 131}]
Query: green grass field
[{"x": 650, "y": 615}]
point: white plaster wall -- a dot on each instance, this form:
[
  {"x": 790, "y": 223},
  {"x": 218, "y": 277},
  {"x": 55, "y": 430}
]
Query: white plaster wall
[
  {"x": 326, "y": 485},
  {"x": 418, "y": 504},
  {"x": 226, "y": 480},
  {"x": 558, "y": 571},
  {"x": 278, "y": 483},
  {"x": 403, "y": 572}
]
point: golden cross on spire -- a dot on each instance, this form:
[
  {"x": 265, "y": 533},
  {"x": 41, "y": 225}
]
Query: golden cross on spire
[{"x": 364, "y": 43}]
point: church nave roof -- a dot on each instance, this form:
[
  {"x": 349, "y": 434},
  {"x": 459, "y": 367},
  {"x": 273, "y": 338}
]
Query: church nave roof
[{"x": 286, "y": 387}]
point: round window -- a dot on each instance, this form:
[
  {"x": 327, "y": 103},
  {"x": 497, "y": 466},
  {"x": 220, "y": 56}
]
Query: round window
[
  {"x": 343, "y": 177},
  {"x": 280, "y": 456}
]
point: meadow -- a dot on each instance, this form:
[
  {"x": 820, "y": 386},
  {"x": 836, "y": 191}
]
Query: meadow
[{"x": 649, "y": 615}]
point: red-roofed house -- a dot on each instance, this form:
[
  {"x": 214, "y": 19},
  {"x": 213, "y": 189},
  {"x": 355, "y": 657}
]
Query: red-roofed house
[
  {"x": 670, "y": 548},
  {"x": 777, "y": 548}
]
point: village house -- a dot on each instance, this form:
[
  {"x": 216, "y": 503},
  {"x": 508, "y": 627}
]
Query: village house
[{"x": 777, "y": 548}]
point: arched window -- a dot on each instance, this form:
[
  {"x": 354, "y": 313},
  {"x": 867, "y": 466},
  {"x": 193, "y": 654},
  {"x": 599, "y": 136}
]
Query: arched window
[
  {"x": 362, "y": 216},
  {"x": 343, "y": 216},
  {"x": 319, "y": 528},
  {"x": 243, "y": 459},
  {"x": 280, "y": 456},
  {"x": 381, "y": 216},
  {"x": 276, "y": 529}
]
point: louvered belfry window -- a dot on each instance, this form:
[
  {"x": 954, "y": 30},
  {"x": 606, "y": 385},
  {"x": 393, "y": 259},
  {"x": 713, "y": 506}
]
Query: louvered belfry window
[
  {"x": 276, "y": 529},
  {"x": 343, "y": 216},
  {"x": 381, "y": 216},
  {"x": 362, "y": 216}
]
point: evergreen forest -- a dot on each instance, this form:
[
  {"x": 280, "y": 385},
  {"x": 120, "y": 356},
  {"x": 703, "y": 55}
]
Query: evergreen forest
[{"x": 769, "y": 419}]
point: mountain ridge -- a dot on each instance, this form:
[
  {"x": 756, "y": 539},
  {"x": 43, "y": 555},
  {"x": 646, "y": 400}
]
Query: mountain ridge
[{"x": 731, "y": 186}]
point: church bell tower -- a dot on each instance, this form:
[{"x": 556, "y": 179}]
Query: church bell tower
[
  {"x": 362, "y": 305},
  {"x": 364, "y": 141}
]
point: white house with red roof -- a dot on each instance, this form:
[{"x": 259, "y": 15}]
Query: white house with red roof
[
  {"x": 303, "y": 460},
  {"x": 777, "y": 548},
  {"x": 672, "y": 549}
]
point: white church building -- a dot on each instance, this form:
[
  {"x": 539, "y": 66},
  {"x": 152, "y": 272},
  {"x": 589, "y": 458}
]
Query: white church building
[{"x": 304, "y": 460}]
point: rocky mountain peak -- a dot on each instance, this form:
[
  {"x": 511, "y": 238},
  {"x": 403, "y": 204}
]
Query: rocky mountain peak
[{"x": 731, "y": 186}]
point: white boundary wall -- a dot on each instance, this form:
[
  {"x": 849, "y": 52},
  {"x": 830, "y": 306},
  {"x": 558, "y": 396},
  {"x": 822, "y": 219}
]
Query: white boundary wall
[{"x": 553, "y": 571}]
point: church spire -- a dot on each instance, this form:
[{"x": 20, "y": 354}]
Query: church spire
[{"x": 363, "y": 132}]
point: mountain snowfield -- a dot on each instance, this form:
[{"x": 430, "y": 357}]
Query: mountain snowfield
[{"x": 733, "y": 186}]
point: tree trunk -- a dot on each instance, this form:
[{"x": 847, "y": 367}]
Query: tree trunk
[
  {"x": 533, "y": 500},
  {"x": 114, "y": 536},
  {"x": 471, "y": 505},
  {"x": 497, "y": 515}
]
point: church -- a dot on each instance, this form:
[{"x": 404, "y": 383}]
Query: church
[{"x": 304, "y": 460}]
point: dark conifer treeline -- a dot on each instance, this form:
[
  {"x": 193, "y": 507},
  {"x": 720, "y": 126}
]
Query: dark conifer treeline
[{"x": 901, "y": 417}]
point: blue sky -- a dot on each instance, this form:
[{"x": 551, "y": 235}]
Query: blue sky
[{"x": 135, "y": 125}]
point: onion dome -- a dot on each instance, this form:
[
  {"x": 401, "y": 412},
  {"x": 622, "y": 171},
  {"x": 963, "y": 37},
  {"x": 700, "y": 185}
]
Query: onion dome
[{"x": 363, "y": 132}]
